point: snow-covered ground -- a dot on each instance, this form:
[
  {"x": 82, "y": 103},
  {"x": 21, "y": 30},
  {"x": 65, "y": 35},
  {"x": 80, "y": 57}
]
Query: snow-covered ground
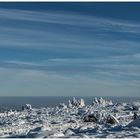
[{"x": 101, "y": 119}]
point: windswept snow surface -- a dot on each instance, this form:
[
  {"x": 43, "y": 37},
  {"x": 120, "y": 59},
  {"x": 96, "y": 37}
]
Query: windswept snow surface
[{"x": 101, "y": 119}]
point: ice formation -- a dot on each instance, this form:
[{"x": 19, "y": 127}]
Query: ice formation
[
  {"x": 101, "y": 119},
  {"x": 101, "y": 101},
  {"x": 77, "y": 103}
]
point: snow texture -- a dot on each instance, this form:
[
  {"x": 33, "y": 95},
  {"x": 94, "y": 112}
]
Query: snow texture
[{"x": 101, "y": 119}]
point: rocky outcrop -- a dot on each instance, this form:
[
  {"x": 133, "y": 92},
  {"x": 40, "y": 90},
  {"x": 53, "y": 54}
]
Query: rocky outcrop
[
  {"x": 90, "y": 118},
  {"x": 112, "y": 120}
]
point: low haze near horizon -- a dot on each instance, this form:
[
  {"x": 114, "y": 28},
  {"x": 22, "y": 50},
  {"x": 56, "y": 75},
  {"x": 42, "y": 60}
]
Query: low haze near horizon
[{"x": 69, "y": 49}]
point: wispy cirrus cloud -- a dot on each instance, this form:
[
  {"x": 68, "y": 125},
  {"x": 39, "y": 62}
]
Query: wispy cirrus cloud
[
  {"x": 119, "y": 68},
  {"x": 94, "y": 24},
  {"x": 63, "y": 17},
  {"x": 68, "y": 52},
  {"x": 61, "y": 30}
]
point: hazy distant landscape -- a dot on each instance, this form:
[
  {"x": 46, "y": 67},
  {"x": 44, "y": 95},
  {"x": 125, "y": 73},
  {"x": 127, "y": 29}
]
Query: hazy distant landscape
[{"x": 17, "y": 102}]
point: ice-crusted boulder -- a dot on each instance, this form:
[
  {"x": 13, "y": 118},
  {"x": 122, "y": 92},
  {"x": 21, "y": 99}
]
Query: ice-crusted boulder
[
  {"x": 27, "y": 107},
  {"x": 135, "y": 123},
  {"x": 112, "y": 120},
  {"x": 136, "y": 106},
  {"x": 101, "y": 101},
  {"x": 90, "y": 118},
  {"x": 77, "y": 103}
]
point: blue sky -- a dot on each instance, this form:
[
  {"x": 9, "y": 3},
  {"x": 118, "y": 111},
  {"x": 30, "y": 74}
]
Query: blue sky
[{"x": 69, "y": 49}]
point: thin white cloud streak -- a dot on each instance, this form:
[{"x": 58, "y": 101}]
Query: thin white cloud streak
[
  {"x": 31, "y": 38},
  {"x": 44, "y": 40},
  {"x": 119, "y": 68},
  {"x": 101, "y": 63},
  {"x": 114, "y": 60},
  {"x": 18, "y": 37},
  {"x": 16, "y": 62},
  {"x": 137, "y": 55}
]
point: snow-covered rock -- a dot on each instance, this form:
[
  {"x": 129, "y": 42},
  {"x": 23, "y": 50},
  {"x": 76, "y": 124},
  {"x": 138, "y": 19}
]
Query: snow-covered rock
[
  {"x": 76, "y": 103},
  {"x": 101, "y": 101},
  {"x": 27, "y": 107},
  {"x": 90, "y": 118},
  {"x": 136, "y": 106},
  {"x": 112, "y": 120}
]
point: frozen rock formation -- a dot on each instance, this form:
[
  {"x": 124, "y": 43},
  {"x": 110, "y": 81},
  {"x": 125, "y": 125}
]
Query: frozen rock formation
[
  {"x": 136, "y": 106},
  {"x": 90, "y": 118},
  {"x": 101, "y": 101},
  {"x": 77, "y": 103},
  {"x": 81, "y": 102},
  {"x": 112, "y": 120},
  {"x": 27, "y": 107}
]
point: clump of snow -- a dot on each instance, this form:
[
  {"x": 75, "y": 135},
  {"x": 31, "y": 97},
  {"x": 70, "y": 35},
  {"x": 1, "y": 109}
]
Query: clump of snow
[
  {"x": 69, "y": 132},
  {"x": 69, "y": 104}
]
